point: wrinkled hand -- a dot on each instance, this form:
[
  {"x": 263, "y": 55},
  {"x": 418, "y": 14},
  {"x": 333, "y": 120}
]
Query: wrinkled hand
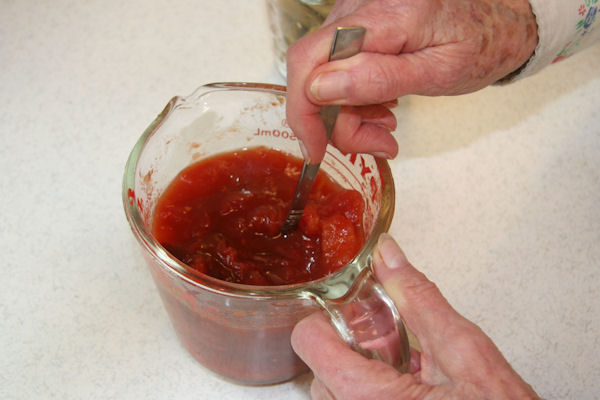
[
  {"x": 423, "y": 47},
  {"x": 457, "y": 361}
]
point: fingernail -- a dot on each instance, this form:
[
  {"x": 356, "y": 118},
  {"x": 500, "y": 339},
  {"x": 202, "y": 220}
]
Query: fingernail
[
  {"x": 391, "y": 254},
  {"x": 331, "y": 86}
]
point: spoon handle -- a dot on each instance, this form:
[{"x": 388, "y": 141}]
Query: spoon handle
[{"x": 346, "y": 43}]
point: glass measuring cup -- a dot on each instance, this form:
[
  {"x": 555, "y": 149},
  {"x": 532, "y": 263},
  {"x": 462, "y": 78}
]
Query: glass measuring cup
[
  {"x": 290, "y": 20},
  {"x": 242, "y": 332}
]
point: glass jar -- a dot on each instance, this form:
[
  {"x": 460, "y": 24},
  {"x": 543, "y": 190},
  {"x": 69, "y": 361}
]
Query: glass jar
[{"x": 292, "y": 19}]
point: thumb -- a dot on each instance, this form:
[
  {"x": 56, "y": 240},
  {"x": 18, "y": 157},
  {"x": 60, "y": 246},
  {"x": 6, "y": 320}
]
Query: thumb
[
  {"x": 375, "y": 78},
  {"x": 422, "y": 306},
  {"x": 454, "y": 348}
]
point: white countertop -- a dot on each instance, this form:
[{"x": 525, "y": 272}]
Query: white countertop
[{"x": 498, "y": 201}]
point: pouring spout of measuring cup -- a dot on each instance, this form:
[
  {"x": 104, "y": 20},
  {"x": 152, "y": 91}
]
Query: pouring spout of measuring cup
[{"x": 346, "y": 43}]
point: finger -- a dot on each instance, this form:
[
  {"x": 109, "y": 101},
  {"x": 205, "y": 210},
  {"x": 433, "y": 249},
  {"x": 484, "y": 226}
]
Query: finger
[
  {"x": 379, "y": 114},
  {"x": 452, "y": 346},
  {"x": 366, "y": 129},
  {"x": 390, "y": 104},
  {"x": 454, "y": 349},
  {"x": 302, "y": 115},
  {"x": 424, "y": 309},
  {"x": 339, "y": 368}
]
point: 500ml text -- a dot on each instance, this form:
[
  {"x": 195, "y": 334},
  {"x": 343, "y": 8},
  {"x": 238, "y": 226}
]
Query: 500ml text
[{"x": 275, "y": 133}]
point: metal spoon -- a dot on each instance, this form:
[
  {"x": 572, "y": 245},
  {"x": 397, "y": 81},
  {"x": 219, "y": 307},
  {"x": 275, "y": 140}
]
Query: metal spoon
[{"x": 346, "y": 43}]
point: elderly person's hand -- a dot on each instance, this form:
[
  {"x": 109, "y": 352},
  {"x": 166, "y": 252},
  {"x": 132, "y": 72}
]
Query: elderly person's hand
[
  {"x": 457, "y": 360},
  {"x": 423, "y": 47}
]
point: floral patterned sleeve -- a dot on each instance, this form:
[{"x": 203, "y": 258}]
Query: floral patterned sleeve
[{"x": 564, "y": 28}]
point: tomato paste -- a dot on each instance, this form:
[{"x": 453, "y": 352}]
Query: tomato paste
[{"x": 222, "y": 217}]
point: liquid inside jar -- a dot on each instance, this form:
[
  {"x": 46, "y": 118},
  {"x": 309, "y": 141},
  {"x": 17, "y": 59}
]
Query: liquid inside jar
[{"x": 222, "y": 217}]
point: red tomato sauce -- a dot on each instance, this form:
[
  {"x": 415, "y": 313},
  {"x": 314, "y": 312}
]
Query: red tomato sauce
[{"x": 222, "y": 217}]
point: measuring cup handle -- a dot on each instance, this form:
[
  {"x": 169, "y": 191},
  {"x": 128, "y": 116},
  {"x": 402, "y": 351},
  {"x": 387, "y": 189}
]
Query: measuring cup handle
[{"x": 367, "y": 319}]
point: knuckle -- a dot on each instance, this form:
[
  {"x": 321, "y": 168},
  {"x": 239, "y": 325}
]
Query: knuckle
[
  {"x": 422, "y": 288},
  {"x": 379, "y": 84}
]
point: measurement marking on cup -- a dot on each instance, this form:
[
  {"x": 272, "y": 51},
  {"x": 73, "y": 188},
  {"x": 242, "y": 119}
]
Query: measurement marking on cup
[{"x": 275, "y": 133}]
